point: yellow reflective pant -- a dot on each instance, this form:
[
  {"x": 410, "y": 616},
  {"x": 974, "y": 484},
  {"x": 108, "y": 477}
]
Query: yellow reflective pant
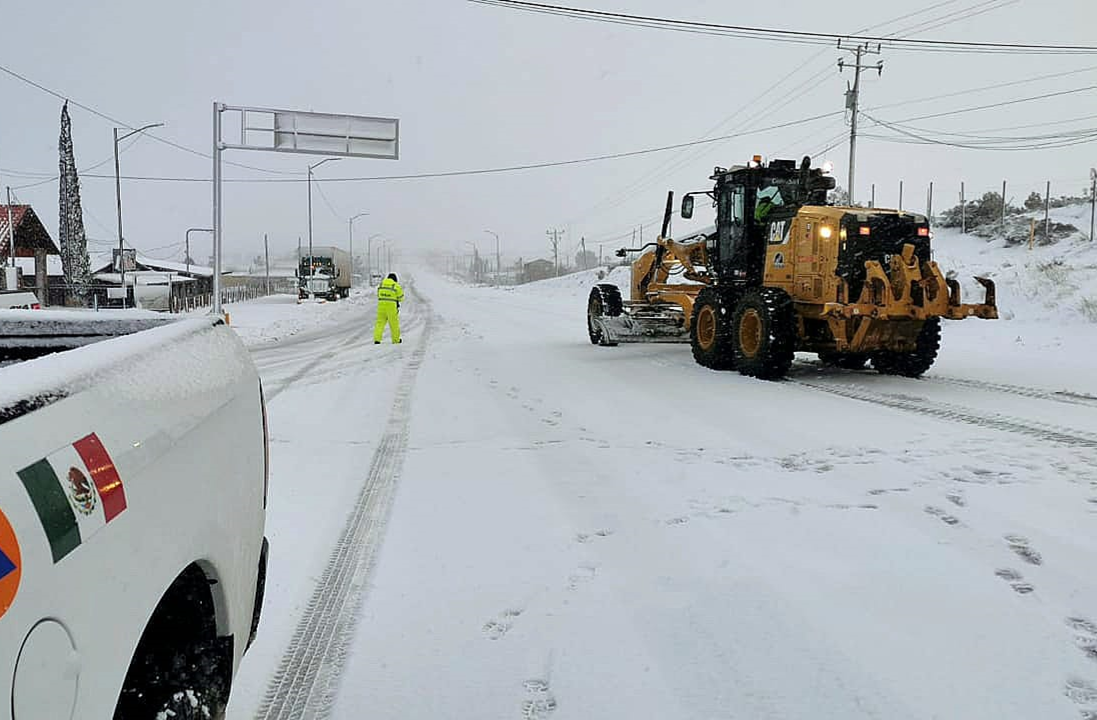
[{"x": 387, "y": 314}]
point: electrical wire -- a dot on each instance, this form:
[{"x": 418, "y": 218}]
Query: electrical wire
[
  {"x": 481, "y": 171},
  {"x": 60, "y": 96},
  {"x": 673, "y": 164},
  {"x": 1003, "y": 103},
  {"x": 1066, "y": 141},
  {"x": 984, "y": 88},
  {"x": 783, "y": 35}
]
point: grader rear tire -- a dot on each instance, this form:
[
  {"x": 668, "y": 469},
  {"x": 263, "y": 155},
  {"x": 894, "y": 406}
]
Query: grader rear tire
[
  {"x": 763, "y": 328},
  {"x": 916, "y": 363}
]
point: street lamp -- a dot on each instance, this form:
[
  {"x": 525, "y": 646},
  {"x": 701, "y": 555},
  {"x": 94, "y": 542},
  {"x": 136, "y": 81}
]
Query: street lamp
[
  {"x": 369, "y": 258},
  {"x": 475, "y": 259},
  {"x": 187, "y": 251},
  {"x": 118, "y": 202},
  {"x": 311, "y": 168},
  {"x": 497, "y": 262},
  {"x": 350, "y": 232}
]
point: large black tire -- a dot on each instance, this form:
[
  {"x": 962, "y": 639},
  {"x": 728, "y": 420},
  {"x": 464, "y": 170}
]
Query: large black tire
[
  {"x": 763, "y": 329},
  {"x": 605, "y": 301},
  {"x": 916, "y": 363},
  {"x": 709, "y": 333},
  {"x": 180, "y": 664},
  {"x": 186, "y": 705},
  {"x": 848, "y": 361}
]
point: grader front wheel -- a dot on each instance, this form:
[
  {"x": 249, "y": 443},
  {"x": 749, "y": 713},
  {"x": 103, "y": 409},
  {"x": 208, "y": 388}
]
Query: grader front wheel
[
  {"x": 764, "y": 329},
  {"x": 604, "y": 301},
  {"x": 708, "y": 332}
]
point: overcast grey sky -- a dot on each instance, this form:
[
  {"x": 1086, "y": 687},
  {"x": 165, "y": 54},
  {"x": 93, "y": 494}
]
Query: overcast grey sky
[{"x": 477, "y": 86}]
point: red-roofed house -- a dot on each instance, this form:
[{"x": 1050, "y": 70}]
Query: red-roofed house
[{"x": 31, "y": 241}]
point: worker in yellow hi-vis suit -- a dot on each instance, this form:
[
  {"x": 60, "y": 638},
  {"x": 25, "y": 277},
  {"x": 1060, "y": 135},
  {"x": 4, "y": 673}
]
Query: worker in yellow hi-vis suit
[{"x": 389, "y": 297}]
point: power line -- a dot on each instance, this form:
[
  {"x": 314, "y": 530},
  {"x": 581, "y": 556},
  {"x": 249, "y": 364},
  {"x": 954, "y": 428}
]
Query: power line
[
  {"x": 119, "y": 123},
  {"x": 1060, "y": 142},
  {"x": 483, "y": 171},
  {"x": 1015, "y": 101},
  {"x": 673, "y": 164},
  {"x": 783, "y": 35},
  {"x": 984, "y": 88}
]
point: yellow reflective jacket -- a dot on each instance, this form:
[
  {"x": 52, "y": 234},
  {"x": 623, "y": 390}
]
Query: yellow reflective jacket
[{"x": 390, "y": 291}]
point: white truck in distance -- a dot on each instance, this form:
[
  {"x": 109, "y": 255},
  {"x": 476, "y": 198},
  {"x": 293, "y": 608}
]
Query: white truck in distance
[
  {"x": 325, "y": 272},
  {"x": 133, "y": 479}
]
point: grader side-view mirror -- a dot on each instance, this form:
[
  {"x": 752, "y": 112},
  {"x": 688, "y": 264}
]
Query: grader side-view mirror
[{"x": 687, "y": 207}]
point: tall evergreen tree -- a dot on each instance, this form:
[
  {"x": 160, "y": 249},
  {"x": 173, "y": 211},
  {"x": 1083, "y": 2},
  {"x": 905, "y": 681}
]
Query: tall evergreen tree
[{"x": 73, "y": 241}]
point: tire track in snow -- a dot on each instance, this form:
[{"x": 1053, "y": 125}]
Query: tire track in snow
[
  {"x": 1069, "y": 397},
  {"x": 946, "y": 411},
  {"x": 359, "y": 337},
  {"x": 306, "y": 683}
]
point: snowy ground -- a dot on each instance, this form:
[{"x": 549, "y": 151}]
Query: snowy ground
[{"x": 581, "y": 532}]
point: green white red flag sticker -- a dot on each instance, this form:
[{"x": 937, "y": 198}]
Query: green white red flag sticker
[{"x": 76, "y": 491}]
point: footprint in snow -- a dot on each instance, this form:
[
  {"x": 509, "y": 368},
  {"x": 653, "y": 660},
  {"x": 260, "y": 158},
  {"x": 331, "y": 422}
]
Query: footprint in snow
[
  {"x": 540, "y": 703},
  {"x": 956, "y": 499},
  {"x": 1015, "y": 580},
  {"x": 1020, "y": 545},
  {"x": 499, "y": 626},
  {"x": 1085, "y": 635},
  {"x": 1083, "y": 694},
  {"x": 942, "y": 515}
]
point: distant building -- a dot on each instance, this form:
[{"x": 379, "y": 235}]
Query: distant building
[
  {"x": 538, "y": 270},
  {"x": 36, "y": 255},
  {"x": 155, "y": 278}
]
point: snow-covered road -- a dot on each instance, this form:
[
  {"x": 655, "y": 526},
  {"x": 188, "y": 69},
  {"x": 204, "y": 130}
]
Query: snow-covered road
[{"x": 580, "y": 532}]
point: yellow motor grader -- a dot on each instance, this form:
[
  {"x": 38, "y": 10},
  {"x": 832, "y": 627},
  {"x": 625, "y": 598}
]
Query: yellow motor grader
[{"x": 781, "y": 272}]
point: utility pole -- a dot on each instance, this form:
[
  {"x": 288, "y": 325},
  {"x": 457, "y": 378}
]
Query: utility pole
[
  {"x": 1092, "y": 200},
  {"x": 1047, "y": 213},
  {"x": 266, "y": 251},
  {"x": 853, "y": 98},
  {"x": 900, "y": 196},
  {"x": 963, "y": 210},
  {"x": 872, "y": 201},
  {"x": 929, "y": 202},
  {"x": 11, "y": 231},
  {"x": 1003, "y": 206},
  {"x": 555, "y": 235},
  {"x": 350, "y": 233},
  {"x": 118, "y": 205}
]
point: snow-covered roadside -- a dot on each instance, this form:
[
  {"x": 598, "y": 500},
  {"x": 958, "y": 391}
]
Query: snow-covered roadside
[
  {"x": 1056, "y": 283},
  {"x": 274, "y": 318}
]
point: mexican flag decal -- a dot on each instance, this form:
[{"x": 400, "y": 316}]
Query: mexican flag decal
[{"x": 76, "y": 491}]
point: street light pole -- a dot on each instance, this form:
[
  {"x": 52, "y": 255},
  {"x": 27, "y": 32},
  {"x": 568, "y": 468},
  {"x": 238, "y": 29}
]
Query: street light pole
[
  {"x": 311, "y": 168},
  {"x": 369, "y": 258},
  {"x": 187, "y": 250},
  {"x": 497, "y": 263},
  {"x": 118, "y": 205},
  {"x": 350, "y": 233}
]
